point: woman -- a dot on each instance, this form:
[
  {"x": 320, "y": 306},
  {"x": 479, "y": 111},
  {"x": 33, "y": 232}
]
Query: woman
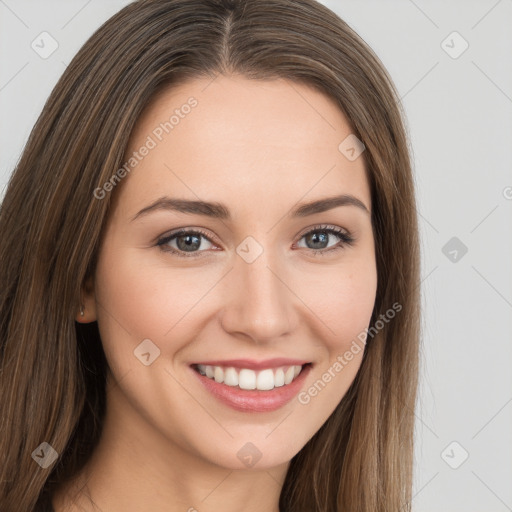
[{"x": 172, "y": 335}]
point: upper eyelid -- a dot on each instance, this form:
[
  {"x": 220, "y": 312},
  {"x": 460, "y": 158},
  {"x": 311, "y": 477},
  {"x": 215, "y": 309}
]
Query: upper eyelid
[{"x": 320, "y": 227}]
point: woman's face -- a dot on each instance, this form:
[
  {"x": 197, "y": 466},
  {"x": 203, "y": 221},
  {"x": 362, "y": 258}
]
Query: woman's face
[{"x": 263, "y": 287}]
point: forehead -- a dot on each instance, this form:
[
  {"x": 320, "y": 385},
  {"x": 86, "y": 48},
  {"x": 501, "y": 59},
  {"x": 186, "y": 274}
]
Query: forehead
[{"x": 238, "y": 140}]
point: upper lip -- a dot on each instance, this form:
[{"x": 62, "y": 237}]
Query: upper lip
[{"x": 252, "y": 364}]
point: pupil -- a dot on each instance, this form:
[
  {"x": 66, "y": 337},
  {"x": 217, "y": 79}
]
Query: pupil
[
  {"x": 188, "y": 243},
  {"x": 316, "y": 236}
]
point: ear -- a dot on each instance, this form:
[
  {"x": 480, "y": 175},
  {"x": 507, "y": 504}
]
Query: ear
[{"x": 88, "y": 303}]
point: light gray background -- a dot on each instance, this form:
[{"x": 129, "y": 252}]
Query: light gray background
[{"x": 460, "y": 124}]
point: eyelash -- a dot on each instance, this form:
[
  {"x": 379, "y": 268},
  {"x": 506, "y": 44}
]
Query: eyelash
[{"x": 346, "y": 240}]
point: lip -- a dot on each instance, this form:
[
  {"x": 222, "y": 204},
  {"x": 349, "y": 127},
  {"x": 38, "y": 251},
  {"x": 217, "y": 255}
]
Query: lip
[
  {"x": 252, "y": 364},
  {"x": 253, "y": 400}
]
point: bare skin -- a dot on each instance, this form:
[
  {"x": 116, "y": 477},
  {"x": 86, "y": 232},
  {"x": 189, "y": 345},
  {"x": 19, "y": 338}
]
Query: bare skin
[{"x": 258, "y": 147}]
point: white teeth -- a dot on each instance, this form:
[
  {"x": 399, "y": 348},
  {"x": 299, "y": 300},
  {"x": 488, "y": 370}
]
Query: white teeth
[
  {"x": 279, "y": 378},
  {"x": 218, "y": 374},
  {"x": 265, "y": 380},
  {"x": 231, "y": 377},
  {"x": 244, "y": 378},
  {"x": 247, "y": 379},
  {"x": 288, "y": 376}
]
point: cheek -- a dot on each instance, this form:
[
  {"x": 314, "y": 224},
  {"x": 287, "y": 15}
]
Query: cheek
[
  {"x": 345, "y": 310},
  {"x": 342, "y": 305},
  {"x": 342, "y": 298},
  {"x": 140, "y": 300},
  {"x": 348, "y": 307}
]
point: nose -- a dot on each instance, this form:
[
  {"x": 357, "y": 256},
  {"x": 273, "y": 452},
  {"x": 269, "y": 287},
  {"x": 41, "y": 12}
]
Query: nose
[{"x": 259, "y": 304}]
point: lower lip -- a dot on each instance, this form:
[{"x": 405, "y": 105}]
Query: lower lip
[{"x": 254, "y": 400}]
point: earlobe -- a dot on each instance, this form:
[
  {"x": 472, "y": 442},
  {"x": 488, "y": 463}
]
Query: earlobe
[{"x": 87, "y": 307}]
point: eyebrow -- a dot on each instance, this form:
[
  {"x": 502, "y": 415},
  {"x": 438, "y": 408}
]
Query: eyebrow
[{"x": 220, "y": 211}]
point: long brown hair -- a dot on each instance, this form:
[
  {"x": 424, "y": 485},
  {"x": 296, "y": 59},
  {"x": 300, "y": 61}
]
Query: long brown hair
[{"x": 52, "y": 373}]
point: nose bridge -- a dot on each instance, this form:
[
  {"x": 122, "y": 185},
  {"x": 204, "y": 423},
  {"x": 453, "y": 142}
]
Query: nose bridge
[{"x": 261, "y": 304}]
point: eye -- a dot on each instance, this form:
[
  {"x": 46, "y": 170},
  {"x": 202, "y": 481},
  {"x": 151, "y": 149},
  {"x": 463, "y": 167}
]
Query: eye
[
  {"x": 319, "y": 235},
  {"x": 189, "y": 241}
]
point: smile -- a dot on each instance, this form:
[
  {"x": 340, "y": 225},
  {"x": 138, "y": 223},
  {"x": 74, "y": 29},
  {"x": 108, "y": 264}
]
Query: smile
[
  {"x": 252, "y": 390},
  {"x": 245, "y": 378}
]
